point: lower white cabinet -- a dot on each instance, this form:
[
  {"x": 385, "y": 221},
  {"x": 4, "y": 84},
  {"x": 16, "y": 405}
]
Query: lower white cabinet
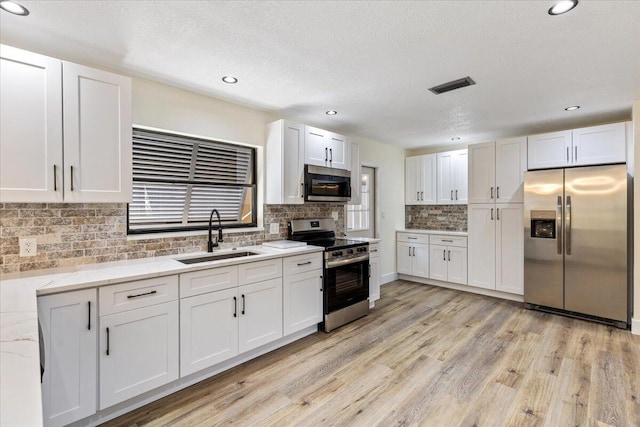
[
  {"x": 448, "y": 259},
  {"x": 302, "y": 300},
  {"x": 260, "y": 318},
  {"x": 412, "y": 254},
  {"x": 138, "y": 351},
  {"x": 68, "y": 324},
  {"x": 374, "y": 272}
]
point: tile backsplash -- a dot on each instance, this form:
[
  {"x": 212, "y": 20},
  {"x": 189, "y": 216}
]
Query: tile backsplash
[
  {"x": 88, "y": 233},
  {"x": 436, "y": 217}
]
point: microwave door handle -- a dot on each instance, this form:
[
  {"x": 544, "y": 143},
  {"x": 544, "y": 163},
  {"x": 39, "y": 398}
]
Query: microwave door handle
[
  {"x": 559, "y": 224},
  {"x": 568, "y": 226}
]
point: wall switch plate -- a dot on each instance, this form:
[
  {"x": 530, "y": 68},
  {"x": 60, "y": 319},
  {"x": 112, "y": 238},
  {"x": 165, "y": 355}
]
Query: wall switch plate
[
  {"x": 410, "y": 218},
  {"x": 334, "y": 215},
  {"x": 28, "y": 246},
  {"x": 274, "y": 228}
]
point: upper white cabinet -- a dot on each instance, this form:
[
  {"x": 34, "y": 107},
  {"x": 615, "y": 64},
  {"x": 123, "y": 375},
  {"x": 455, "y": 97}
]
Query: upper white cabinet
[
  {"x": 65, "y": 131},
  {"x": 285, "y": 163},
  {"x": 356, "y": 176},
  {"x": 496, "y": 171},
  {"x": 69, "y": 324},
  {"x": 420, "y": 180},
  {"x": 328, "y": 149},
  {"x": 579, "y": 147},
  {"x": 452, "y": 171}
]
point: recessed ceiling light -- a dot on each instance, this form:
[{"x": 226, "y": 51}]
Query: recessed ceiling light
[
  {"x": 563, "y": 6},
  {"x": 573, "y": 107},
  {"x": 14, "y": 8},
  {"x": 230, "y": 80},
  {"x": 331, "y": 113},
  {"x": 455, "y": 138}
]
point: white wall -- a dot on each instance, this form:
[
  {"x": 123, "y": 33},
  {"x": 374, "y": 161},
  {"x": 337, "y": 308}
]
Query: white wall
[{"x": 161, "y": 106}]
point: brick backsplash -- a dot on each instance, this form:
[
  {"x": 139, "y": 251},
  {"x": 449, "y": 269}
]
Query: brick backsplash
[
  {"x": 436, "y": 217},
  {"x": 74, "y": 234}
]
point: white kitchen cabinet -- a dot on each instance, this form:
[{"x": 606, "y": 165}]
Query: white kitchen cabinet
[
  {"x": 285, "y": 163},
  {"x": 496, "y": 171},
  {"x": 496, "y": 244},
  {"x": 374, "y": 272},
  {"x": 68, "y": 324},
  {"x": 66, "y": 131},
  {"x": 448, "y": 259},
  {"x": 260, "y": 318},
  {"x": 328, "y": 149},
  {"x": 302, "y": 300},
  {"x": 578, "y": 147},
  {"x": 356, "y": 175},
  {"x": 420, "y": 180},
  {"x": 208, "y": 330},
  {"x": 412, "y": 254},
  {"x": 452, "y": 172}
]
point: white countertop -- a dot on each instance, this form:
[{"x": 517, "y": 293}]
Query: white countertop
[
  {"x": 364, "y": 239},
  {"x": 441, "y": 232},
  {"x": 20, "y": 398}
]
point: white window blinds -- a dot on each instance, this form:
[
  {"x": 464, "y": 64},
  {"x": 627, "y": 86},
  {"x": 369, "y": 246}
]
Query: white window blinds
[{"x": 178, "y": 180}]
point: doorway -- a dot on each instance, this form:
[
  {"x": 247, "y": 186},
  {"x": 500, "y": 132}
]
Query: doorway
[{"x": 361, "y": 218}]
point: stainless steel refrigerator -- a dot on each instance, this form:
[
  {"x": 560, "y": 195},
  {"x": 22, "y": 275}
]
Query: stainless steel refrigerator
[{"x": 575, "y": 242}]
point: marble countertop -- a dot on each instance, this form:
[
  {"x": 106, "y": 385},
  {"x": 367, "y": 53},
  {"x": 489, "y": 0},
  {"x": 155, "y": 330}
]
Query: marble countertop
[
  {"x": 442, "y": 232},
  {"x": 20, "y": 398}
]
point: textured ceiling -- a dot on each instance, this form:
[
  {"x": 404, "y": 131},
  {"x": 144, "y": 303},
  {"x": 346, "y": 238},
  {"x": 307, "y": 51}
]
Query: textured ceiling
[{"x": 372, "y": 61}]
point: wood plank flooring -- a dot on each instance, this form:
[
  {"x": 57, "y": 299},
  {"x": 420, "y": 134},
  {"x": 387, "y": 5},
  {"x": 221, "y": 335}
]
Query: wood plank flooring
[{"x": 426, "y": 356}]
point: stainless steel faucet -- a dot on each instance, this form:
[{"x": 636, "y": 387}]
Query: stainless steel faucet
[{"x": 211, "y": 244}]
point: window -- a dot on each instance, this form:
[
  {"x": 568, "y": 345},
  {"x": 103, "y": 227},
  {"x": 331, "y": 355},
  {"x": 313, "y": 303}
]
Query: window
[
  {"x": 358, "y": 216},
  {"x": 178, "y": 180}
]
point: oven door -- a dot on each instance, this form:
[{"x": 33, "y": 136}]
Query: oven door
[
  {"x": 345, "y": 285},
  {"x": 326, "y": 184}
]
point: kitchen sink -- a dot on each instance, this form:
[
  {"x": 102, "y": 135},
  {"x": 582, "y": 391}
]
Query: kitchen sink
[{"x": 216, "y": 257}]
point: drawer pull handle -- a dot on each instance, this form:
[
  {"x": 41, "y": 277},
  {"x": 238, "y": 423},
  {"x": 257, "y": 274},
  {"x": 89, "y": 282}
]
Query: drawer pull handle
[
  {"x": 107, "y": 341},
  {"x": 412, "y": 238},
  {"x": 450, "y": 241},
  {"x": 141, "y": 295},
  {"x": 373, "y": 250},
  {"x": 304, "y": 263}
]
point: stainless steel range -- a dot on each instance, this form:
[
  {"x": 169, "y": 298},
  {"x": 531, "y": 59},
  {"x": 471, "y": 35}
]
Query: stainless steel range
[{"x": 346, "y": 270}]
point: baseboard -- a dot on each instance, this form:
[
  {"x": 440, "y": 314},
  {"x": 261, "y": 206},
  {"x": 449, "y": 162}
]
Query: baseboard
[
  {"x": 388, "y": 278},
  {"x": 635, "y": 326},
  {"x": 464, "y": 288}
]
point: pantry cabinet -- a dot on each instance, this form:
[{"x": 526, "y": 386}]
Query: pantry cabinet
[
  {"x": 328, "y": 149},
  {"x": 420, "y": 180},
  {"x": 285, "y": 163},
  {"x": 69, "y": 326},
  {"x": 592, "y": 145},
  {"x": 452, "y": 177},
  {"x": 66, "y": 131}
]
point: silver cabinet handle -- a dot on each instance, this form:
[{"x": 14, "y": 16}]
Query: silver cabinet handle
[
  {"x": 575, "y": 149},
  {"x": 559, "y": 224},
  {"x": 568, "y": 226},
  {"x": 449, "y": 253},
  {"x": 491, "y": 214},
  {"x": 444, "y": 255},
  {"x": 498, "y": 214},
  {"x": 491, "y": 193},
  {"x": 497, "y": 192},
  {"x": 71, "y": 167},
  {"x": 567, "y": 154},
  {"x": 55, "y": 178},
  {"x": 141, "y": 295},
  {"x": 326, "y": 154}
]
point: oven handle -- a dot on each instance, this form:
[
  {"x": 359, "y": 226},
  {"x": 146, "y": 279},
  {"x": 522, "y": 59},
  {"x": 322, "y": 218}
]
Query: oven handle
[{"x": 332, "y": 264}]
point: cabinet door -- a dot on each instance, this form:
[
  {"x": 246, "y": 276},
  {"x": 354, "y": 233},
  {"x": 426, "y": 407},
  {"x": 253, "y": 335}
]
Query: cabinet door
[
  {"x": 208, "y": 330},
  {"x": 97, "y": 135},
  {"x": 374, "y": 279},
  {"x": 68, "y": 323},
  {"x": 138, "y": 352},
  {"x": 482, "y": 172},
  {"x": 438, "y": 262},
  {"x": 549, "y": 150},
  {"x": 457, "y": 265},
  {"x": 356, "y": 183},
  {"x": 482, "y": 245},
  {"x": 316, "y": 147},
  {"x": 302, "y": 301},
  {"x": 511, "y": 164},
  {"x": 460, "y": 178},
  {"x": 510, "y": 248},
  {"x": 30, "y": 127},
  {"x": 404, "y": 258},
  {"x": 420, "y": 260},
  {"x": 445, "y": 178},
  {"x": 293, "y": 164},
  {"x": 339, "y": 151},
  {"x": 412, "y": 180},
  {"x": 599, "y": 145},
  {"x": 260, "y": 307},
  {"x": 428, "y": 179}
]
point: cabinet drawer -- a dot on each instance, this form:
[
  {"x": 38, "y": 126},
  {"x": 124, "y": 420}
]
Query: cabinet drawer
[
  {"x": 374, "y": 250},
  {"x": 259, "y": 271},
  {"x": 202, "y": 282},
  {"x": 302, "y": 263},
  {"x": 141, "y": 293},
  {"x": 412, "y": 238},
  {"x": 448, "y": 240}
]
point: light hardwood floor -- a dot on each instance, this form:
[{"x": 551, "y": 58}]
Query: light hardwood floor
[{"x": 426, "y": 356}]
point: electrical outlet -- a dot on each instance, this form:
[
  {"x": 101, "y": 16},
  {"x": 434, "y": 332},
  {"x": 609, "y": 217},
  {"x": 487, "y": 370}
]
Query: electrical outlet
[
  {"x": 410, "y": 218},
  {"x": 28, "y": 246},
  {"x": 334, "y": 215},
  {"x": 274, "y": 228}
]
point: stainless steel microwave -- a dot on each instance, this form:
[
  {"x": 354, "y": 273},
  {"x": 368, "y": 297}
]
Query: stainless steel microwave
[{"x": 326, "y": 184}]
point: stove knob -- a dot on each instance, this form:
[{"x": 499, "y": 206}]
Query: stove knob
[
  {"x": 350, "y": 251},
  {"x": 363, "y": 249},
  {"x": 338, "y": 253}
]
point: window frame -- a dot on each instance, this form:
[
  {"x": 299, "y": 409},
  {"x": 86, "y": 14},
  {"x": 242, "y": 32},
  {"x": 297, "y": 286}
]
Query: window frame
[{"x": 199, "y": 227}]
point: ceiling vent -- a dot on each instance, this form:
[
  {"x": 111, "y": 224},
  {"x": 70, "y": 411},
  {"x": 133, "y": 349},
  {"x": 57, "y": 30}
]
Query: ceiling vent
[{"x": 456, "y": 84}]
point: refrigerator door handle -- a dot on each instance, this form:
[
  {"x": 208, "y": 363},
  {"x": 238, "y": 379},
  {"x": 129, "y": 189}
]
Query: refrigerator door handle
[
  {"x": 568, "y": 226},
  {"x": 559, "y": 224}
]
